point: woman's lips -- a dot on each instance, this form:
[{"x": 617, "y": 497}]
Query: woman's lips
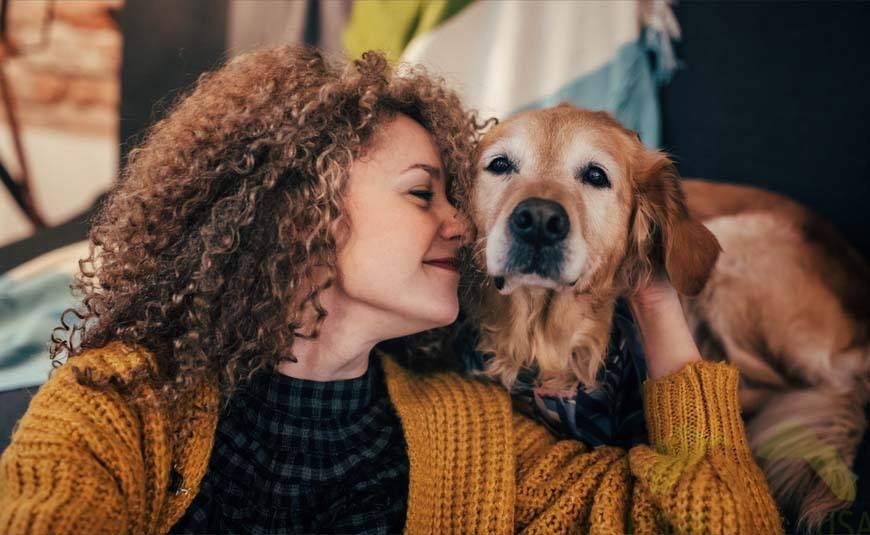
[{"x": 445, "y": 263}]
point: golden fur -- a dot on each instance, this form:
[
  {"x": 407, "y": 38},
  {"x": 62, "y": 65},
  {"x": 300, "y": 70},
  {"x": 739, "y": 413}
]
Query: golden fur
[
  {"x": 803, "y": 354},
  {"x": 789, "y": 303},
  {"x": 621, "y": 233}
]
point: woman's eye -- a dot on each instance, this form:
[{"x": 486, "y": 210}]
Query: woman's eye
[
  {"x": 500, "y": 166},
  {"x": 596, "y": 177},
  {"x": 424, "y": 194}
]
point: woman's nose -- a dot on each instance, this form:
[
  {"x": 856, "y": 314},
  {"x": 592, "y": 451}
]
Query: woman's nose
[{"x": 456, "y": 226}]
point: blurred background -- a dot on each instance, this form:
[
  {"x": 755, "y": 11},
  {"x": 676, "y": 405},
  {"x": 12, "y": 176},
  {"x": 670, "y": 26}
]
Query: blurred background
[
  {"x": 764, "y": 93},
  {"x": 772, "y": 94},
  {"x": 61, "y": 64}
]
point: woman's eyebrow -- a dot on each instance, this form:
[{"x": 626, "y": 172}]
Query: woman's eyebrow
[{"x": 434, "y": 172}]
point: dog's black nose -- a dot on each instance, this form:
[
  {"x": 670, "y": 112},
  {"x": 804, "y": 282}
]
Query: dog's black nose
[{"x": 539, "y": 221}]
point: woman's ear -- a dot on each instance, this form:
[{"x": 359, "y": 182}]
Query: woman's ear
[{"x": 662, "y": 235}]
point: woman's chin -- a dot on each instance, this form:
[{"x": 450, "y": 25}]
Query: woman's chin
[
  {"x": 445, "y": 315},
  {"x": 433, "y": 318}
]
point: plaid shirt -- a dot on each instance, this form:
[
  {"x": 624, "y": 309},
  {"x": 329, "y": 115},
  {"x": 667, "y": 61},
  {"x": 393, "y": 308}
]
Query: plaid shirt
[{"x": 298, "y": 456}]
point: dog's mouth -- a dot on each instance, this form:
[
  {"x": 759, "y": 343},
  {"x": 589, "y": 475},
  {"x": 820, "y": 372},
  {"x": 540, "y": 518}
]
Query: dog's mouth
[
  {"x": 528, "y": 265},
  {"x": 506, "y": 284},
  {"x": 540, "y": 267}
]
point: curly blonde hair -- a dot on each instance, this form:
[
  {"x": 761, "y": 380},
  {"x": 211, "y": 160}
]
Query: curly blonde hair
[{"x": 205, "y": 251}]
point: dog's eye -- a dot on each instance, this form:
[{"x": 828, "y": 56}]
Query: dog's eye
[
  {"x": 500, "y": 166},
  {"x": 595, "y": 176}
]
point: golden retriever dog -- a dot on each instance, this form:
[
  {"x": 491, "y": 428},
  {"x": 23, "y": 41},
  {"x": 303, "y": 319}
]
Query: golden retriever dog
[{"x": 572, "y": 211}]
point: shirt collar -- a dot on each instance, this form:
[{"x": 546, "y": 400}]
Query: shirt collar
[{"x": 305, "y": 398}]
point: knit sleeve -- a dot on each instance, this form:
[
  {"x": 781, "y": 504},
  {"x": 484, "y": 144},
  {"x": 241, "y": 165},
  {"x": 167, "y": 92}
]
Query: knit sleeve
[
  {"x": 700, "y": 472},
  {"x": 42, "y": 491},
  {"x": 74, "y": 464},
  {"x": 697, "y": 477}
]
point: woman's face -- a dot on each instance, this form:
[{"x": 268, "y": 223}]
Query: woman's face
[{"x": 397, "y": 267}]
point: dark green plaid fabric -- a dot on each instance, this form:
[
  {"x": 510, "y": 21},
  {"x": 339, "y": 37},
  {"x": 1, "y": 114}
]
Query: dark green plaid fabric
[{"x": 297, "y": 456}]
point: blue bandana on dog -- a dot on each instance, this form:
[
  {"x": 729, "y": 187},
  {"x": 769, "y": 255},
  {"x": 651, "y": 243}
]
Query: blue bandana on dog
[{"x": 610, "y": 414}]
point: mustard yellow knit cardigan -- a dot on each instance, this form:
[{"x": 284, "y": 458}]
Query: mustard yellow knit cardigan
[{"x": 88, "y": 461}]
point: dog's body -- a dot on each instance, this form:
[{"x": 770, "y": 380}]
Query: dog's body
[
  {"x": 789, "y": 304},
  {"x": 572, "y": 212}
]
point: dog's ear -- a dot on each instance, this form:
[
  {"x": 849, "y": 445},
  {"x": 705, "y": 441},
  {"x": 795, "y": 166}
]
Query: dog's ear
[{"x": 662, "y": 235}]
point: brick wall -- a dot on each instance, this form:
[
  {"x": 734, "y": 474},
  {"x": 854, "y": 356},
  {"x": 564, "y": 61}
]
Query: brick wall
[
  {"x": 67, "y": 76},
  {"x": 65, "y": 80}
]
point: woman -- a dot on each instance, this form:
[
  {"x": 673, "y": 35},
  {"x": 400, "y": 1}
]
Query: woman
[{"x": 285, "y": 218}]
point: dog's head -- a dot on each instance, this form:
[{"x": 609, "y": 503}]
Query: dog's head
[{"x": 568, "y": 199}]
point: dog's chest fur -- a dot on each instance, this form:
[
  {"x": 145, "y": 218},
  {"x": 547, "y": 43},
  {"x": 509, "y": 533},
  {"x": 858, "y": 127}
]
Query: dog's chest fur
[
  {"x": 609, "y": 411},
  {"x": 562, "y": 335}
]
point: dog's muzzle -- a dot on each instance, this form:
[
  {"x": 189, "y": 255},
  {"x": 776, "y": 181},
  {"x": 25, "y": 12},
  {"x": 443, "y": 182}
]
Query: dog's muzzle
[{"x": 537, "y": 229}]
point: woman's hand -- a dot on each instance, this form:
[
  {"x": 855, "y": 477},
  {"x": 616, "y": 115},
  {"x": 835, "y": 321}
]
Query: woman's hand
[{"x": 667, "y": 341}]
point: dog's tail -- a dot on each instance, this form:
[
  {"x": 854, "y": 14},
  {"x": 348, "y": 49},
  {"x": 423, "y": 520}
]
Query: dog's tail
[{"x": 806, "y": 442}]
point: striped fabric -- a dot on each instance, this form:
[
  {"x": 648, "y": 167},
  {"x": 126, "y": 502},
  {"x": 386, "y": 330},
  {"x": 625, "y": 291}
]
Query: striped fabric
[{"x": 509, "y": 55}]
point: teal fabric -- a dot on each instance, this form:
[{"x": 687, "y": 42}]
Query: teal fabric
[
  {"x": 29, "y": 309},
  {"x": 627, "y": 87}
]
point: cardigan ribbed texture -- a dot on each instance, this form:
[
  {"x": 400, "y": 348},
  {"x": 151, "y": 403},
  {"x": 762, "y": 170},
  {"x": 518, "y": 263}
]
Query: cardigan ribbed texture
[{"x": 89, "y": 461}]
